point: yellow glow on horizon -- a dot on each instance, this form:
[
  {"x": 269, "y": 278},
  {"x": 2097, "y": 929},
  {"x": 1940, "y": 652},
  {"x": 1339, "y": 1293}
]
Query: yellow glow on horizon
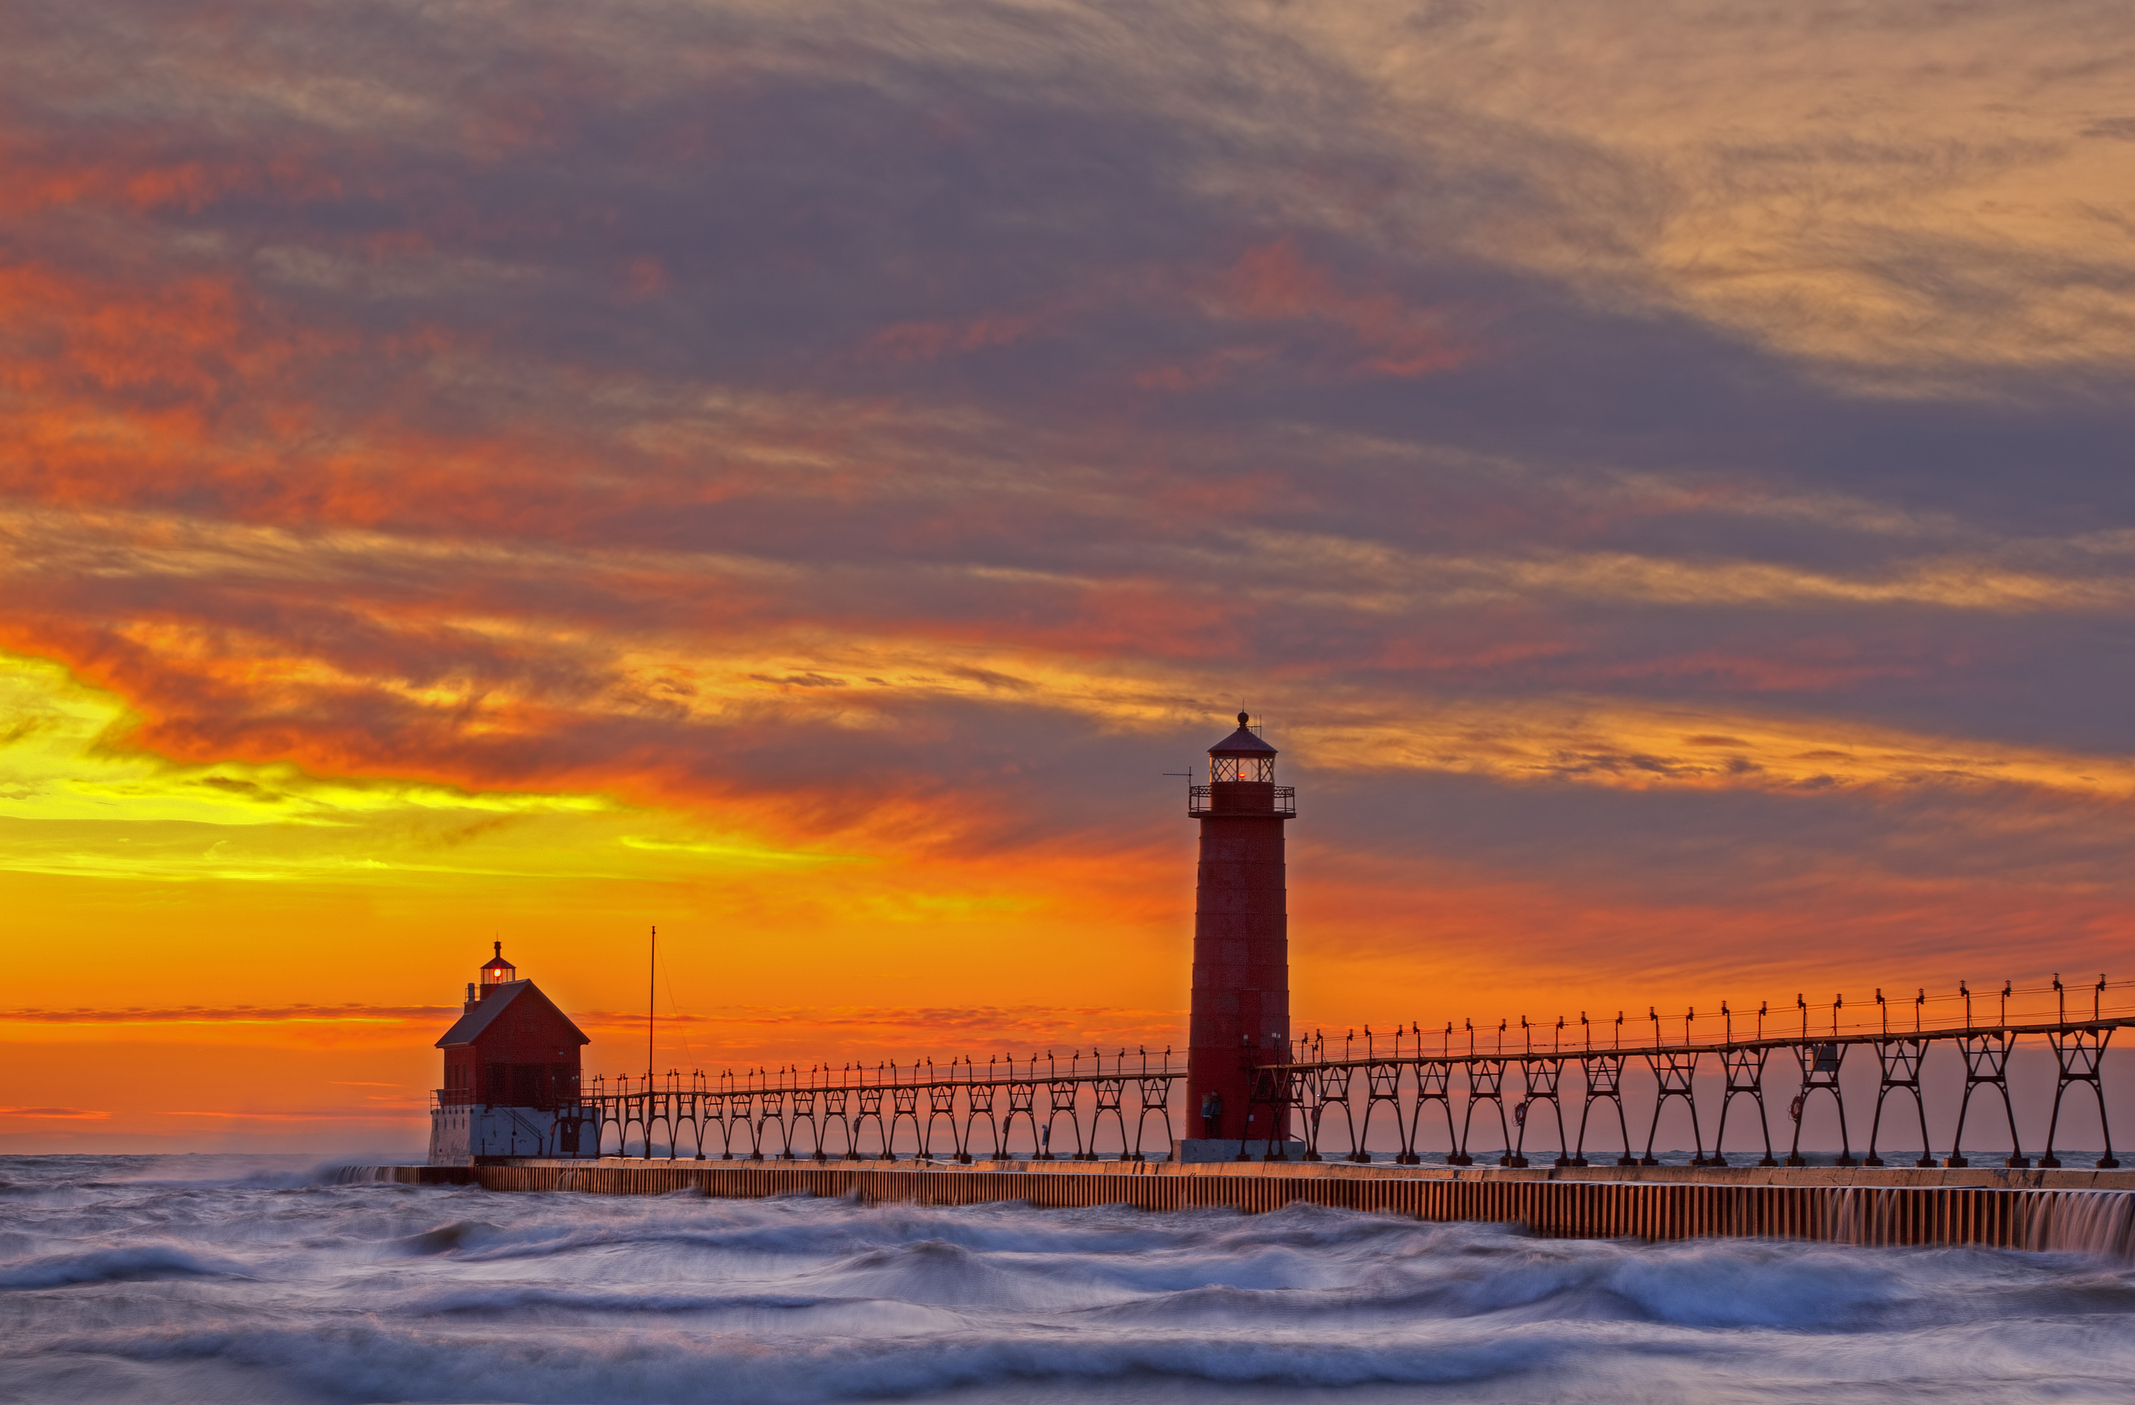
[{"x": 78, "y": 798}]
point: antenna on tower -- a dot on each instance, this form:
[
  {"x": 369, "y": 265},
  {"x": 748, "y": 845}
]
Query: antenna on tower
[{"x": 652, "y": 972}]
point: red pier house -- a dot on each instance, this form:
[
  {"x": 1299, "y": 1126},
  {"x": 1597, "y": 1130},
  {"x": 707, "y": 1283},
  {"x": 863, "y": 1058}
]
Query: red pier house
[
  {"x": 1241, "y": 982},
  {"x": 511, "y": 1074}
]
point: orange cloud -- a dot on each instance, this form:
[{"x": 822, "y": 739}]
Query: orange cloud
[{"x": 141, "y": 174}]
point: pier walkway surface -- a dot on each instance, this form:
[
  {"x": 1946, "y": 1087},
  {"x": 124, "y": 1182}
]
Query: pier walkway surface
[{"x": 2072, "y": 1210}]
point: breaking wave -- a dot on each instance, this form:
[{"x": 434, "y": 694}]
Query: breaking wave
[
  {"x": 125, "y": 1285},
  {"x": 136, "y": 1265}
]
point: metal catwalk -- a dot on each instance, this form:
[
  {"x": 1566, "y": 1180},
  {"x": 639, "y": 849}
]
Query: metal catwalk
[{"x": 1373, "y": 1096}]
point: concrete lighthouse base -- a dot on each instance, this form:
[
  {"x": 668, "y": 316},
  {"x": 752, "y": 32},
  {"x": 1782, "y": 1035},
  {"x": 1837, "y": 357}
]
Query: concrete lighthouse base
[
  {"x": 1206, "y": 1149},
  {"x": 460, "y": 1134}
]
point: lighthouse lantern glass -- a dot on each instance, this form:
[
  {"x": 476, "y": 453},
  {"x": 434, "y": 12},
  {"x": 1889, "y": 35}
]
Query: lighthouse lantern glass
[{"x": 1241, "y": 768}]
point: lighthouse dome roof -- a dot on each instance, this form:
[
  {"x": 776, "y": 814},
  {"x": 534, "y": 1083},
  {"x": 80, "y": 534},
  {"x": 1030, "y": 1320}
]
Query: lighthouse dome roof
[{"x": 1242, "y": 742}]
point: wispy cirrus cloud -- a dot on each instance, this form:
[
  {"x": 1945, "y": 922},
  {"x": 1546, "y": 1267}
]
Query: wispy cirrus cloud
[
  {"x": 238, "y": 1015},
  {"x": 56, "y": 1114}
]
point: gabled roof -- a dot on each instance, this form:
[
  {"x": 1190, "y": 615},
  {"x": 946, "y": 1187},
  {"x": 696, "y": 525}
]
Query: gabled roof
[
  {"x": 469, "y": 1027},
  {"x": 1241, "y": 743}
]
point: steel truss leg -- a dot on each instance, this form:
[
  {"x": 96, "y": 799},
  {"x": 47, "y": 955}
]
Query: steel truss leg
[
  {"x": 1096, "y": 1121},
  {"x": 1416, "y": 1126},
  {"x": 1497, "y": 1101},
  {"x": 1697, "y": 1137},
  {"x": 1519, "y": 1151},
  {"x": 2082, "y": 1060},
  {"x": 1667, "y": 1087},
  {"x": 1162, "y": 1110},
  {"x": 1906, "y": 1056},
  {"x": 1349, "y": 1124},
  {"x": 1755, "y": 1093},
  {"x": 1816, "y": 1077},
  {"x": 1980, "y": 1053},
  {"x": 1404, "y": 1128},
  {"x": 1373, "y": 1096},
  {"x": 1623, "y": 1126}
]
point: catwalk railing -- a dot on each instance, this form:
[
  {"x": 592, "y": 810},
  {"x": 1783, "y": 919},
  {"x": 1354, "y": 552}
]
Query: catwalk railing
[
  {"x": 1370, "y": 1098},
  {"x": 1397, "y": 1078},
  {"x": 955, "y": 1111}
]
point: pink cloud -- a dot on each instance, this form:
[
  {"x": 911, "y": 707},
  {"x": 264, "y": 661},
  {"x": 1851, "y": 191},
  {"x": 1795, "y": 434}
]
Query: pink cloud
[
  {"x": 931, "y": 341},
  {"x": 1274, "y": 283}
]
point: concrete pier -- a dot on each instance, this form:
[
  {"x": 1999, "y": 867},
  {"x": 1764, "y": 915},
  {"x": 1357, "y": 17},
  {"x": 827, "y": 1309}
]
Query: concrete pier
[{"x": 2088, "y": 1211}]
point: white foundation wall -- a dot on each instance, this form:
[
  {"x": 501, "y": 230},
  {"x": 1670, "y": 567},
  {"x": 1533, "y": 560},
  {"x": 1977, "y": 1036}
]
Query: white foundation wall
[{"x": 459, "y": 1134}]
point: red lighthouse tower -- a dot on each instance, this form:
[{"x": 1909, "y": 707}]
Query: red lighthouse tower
[{"x": 1241, "y": 991}]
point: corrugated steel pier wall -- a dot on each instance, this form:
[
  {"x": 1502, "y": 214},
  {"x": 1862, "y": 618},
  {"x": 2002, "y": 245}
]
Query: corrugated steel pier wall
[{"x": 2085, "y": 1211}]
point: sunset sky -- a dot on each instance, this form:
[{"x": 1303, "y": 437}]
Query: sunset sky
[{"x": 800, "y": 473}]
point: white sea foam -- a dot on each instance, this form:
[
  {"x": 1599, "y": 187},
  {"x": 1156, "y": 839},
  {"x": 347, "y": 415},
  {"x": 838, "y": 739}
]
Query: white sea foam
[{"x": 120, "y": 1280}]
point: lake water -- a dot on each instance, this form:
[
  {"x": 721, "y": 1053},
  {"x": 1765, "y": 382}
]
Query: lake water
[{"x": 202, "y": 1279}]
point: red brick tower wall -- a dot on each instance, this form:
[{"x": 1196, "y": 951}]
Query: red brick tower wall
[{"x": 1241, "y": 982}]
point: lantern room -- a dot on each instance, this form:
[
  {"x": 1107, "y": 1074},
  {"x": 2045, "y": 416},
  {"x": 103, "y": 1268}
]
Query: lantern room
[
  {"x": 497, "y": 971},
  {"x": 1241, "y": 778},
  {"x": 1241, "y": 756}
]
